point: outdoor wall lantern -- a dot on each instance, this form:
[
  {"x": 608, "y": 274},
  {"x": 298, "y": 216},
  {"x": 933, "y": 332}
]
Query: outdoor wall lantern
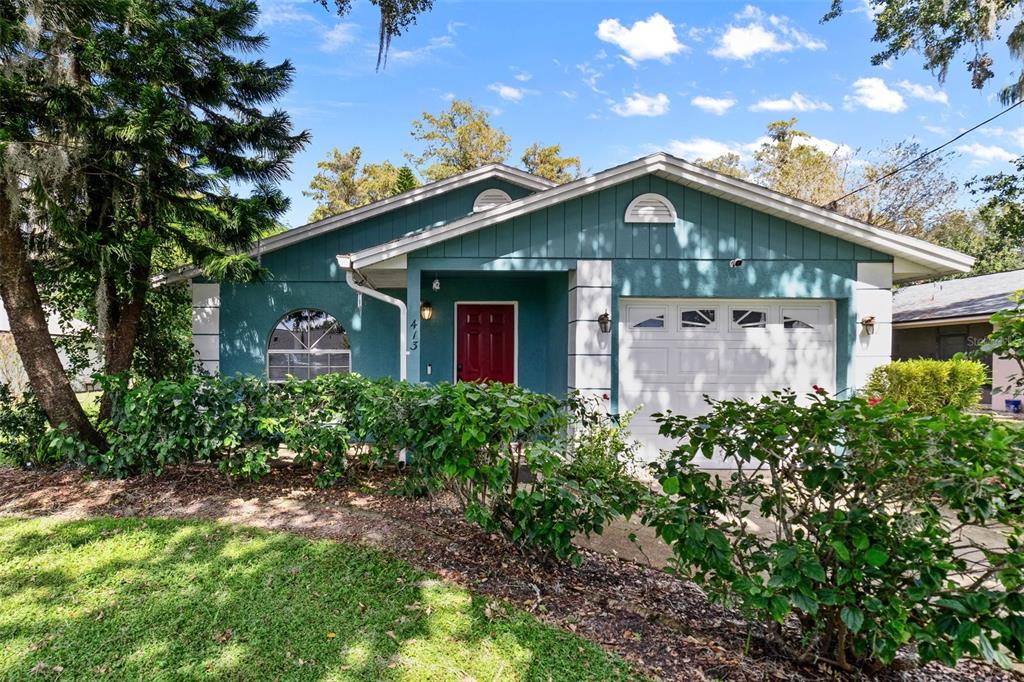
[
  {"x": 868, "y": 324},
  {"x": 426, "y": 310},
  {"x": 604, "y": 321}
]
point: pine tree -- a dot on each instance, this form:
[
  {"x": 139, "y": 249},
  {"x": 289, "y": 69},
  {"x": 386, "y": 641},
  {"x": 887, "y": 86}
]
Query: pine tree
[
  {"x": 152, "y": 115},
  {"x": 406, "y": 180}
]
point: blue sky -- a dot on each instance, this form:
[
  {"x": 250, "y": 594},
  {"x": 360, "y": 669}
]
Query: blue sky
[{"x": 612, "y": 81}]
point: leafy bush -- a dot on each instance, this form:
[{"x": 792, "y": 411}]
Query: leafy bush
[
  {"x": 22, "y": 428},
  {"x": 507, "y": 454},
  {"x": 602, "y": 449},
  {"x": 156, "y": 424},
  {"x": 869, "y": 508},
  {"x": 929, "y": 385}
]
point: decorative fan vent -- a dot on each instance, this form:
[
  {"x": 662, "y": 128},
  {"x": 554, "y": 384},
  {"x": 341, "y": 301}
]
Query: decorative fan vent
[
  {"x": 490, "y": 198},
  {"x": 650, "y": 208}
]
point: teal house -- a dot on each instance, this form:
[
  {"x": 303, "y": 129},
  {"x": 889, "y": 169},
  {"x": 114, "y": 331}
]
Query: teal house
[{"x": 648, "y": 285}]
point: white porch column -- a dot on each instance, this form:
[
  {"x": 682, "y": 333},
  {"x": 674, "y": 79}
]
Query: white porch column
[
  {"x": 872, "y": 297},
  {"x": 590, "y": 350},
  {"x": 206, "y": 325}
]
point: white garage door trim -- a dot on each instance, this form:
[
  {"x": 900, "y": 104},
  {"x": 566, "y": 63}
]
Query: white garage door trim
[{"x": 672, "y": 351}]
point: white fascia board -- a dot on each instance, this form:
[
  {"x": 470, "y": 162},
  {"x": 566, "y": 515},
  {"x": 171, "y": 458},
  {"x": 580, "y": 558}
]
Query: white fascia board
[
  {"x": 934, "y": 258},
  {"x": 433, "y": 189}
]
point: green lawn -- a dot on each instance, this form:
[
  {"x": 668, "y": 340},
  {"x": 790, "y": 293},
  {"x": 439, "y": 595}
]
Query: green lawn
[{"x": 174, "y": 600}]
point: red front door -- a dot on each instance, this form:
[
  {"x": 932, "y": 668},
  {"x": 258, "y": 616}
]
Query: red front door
[{"x": 485, "y": 342}]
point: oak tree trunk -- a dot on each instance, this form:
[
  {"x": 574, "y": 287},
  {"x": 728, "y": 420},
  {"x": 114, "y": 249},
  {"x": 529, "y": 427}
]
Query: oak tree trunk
[{"x": 31, "y": 333}]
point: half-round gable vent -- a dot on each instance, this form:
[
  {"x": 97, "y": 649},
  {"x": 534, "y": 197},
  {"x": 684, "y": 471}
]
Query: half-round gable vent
[
  {"x": 650, "y": 208},
  {"x": 490, "y": 198}
]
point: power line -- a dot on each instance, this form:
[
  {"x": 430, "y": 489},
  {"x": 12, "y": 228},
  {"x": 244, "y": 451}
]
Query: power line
[{"x": 832, "y": 204}]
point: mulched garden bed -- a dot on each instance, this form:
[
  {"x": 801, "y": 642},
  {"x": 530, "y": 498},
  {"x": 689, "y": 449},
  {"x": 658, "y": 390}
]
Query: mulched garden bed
[{"x": 663, "y": 625}]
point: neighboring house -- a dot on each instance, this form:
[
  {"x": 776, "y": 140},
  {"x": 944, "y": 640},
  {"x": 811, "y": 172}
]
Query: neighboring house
[
  {"x": 941, "y": 319},
  {"x": 648, "y": 285},
  {"x": 12, "y": 372}
]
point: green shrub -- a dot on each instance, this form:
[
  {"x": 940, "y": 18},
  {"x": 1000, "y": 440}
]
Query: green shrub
[
  {"x": 929, "y": 385},
  {"x": 155, "y": 424},
  {"x": 473, "y": 440},
  {"x": 22, "y": 429},
  {"x": 866, "y": 504}
]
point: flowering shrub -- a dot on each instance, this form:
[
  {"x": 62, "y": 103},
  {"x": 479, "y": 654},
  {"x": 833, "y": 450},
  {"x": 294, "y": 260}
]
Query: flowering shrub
[{"x": 852, "y": 522}]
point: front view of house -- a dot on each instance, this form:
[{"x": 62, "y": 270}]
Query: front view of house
[{"x": 649, "y": 285}]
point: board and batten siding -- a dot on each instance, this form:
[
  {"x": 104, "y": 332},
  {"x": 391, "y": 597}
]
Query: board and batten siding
[
  {"x": 687, "y": 259},
  {"x": 313, "y": 260},
  {"x": 306, "y": 275},
  {"x": 708, "y": 228}
]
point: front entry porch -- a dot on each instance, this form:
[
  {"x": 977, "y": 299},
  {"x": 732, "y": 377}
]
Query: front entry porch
[{"x": 498, "y": 326}]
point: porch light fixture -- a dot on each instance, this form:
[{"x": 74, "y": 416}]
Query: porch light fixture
[
  {"x": 604, "y": 321},
  {"x": 868, "y": 324},
  {"x": 426, "y": 310}
]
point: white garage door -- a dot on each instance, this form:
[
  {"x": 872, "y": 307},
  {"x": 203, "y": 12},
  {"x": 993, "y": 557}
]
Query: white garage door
[{"x": 674, "y": 351}]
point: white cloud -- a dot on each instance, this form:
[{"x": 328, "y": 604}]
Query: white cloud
[
  {"x": 926, "y": 92},
  {"x": 508, "y": 92},
  {"x": 699, "y": 148},
  {"x": 713, "y": 105},
  {"x": 523, "y": 76},
  {"x": 935, "y": 130},
  {"x": 825, "y": 145},
  {"x": 280, "y": 12},
  {"x": 639, "y": 104},
  {"x": 591, "y": 76},
  {"x": 795, "y": 102},
  {"x": 339, "y": 36},
  {"x": 448, "y": 96},
  {"x": 986, "y": 152},
  {"x": 417, "y": 53},
  {"x": 568, "y": 94},
  {"x": 755, "y": 32},
  {"x": 654, "y": 38},
  {"x": 707, "y": 148},
  {"x": 873, "y": 93}
]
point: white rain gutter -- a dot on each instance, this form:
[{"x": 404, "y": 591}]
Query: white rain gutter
[{"x": 345, "y": 263}]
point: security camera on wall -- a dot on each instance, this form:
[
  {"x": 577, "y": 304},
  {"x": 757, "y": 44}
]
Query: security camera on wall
[{"x": 736, "y": 263}]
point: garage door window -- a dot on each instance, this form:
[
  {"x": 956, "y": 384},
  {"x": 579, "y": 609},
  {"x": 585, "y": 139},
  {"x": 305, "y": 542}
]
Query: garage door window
[
  {"x": 795, "y": 323},
  {"x": 749, "y": 319},
  {"x": 646, "y": 317},
  {"x": 697, "y": 319}
]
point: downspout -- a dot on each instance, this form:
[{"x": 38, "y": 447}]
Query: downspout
[{"x": 345, "y": 263}]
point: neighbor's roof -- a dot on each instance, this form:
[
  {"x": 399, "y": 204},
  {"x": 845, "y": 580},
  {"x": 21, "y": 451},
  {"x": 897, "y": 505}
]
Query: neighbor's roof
[
  {"x": 494, "y": 170},
  {"x": 956, "y": 298},
  {"x": 912, "y": 257}
]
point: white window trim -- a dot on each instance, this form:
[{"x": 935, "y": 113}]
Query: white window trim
[
  {"x": 632, "y": 216},
  {"x": 515, "y": 337}
]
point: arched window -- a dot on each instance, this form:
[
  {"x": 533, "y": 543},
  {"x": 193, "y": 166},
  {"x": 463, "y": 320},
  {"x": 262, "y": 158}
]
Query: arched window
[
  {"x": 306, "y": 344},
  {"x": 650, "y": 208}
]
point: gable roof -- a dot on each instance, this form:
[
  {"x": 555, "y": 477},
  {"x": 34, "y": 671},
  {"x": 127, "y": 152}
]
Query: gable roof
[
  {"x": 913, "y": 257},
  {"x": 513, "y": 175},
  {"x": 956, "y": 298}
]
